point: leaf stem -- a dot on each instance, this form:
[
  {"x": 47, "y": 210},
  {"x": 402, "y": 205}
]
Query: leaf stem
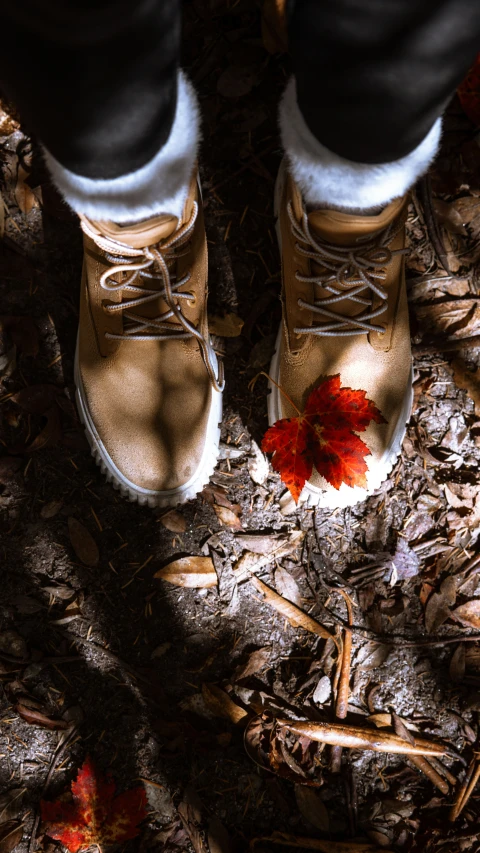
[{"x": 267, "y": 375}]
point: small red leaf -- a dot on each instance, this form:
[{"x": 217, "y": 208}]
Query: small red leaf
[
  {"x": 94, "y": 816},
  {"x": 324, "y": 436}
]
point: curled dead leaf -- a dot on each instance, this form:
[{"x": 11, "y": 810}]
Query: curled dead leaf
[
  {"x": 227, "y": 517},
  {"x": 36, "y": 718},
  {"x": 190, "y": 572},
  {"x": 468, "y": 613},
  {"x": 360, "y": 737},
  {"x": 263, "y": 549},
  {"x": 297, "y": 617}
]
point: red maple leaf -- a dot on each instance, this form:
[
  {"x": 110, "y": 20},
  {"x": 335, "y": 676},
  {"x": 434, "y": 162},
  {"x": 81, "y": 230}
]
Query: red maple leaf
[
  {"x": 324, "y": 436},
  {"x": 94, "y": 815}
]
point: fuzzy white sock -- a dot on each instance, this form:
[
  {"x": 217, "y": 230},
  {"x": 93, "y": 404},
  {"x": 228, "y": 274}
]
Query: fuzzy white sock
[
  {"x": 327, "y": 180},
  {"x": 161, "y": 186}
]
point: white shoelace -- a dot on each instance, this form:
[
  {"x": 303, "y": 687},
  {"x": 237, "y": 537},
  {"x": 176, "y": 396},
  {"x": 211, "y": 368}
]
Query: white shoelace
[
  {"x": 349, "y": 271},
  {"x": 152, "y": 263}
]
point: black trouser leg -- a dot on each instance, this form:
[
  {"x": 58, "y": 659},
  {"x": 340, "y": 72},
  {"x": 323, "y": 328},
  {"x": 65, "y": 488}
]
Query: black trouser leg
[
  {"x": 95, "y": 80},
  {"x": 373, "y": 75}
]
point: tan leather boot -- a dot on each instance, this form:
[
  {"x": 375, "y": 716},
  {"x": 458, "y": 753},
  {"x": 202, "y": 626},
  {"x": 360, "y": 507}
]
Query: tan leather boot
[
  {"x": 344, "y": 313},
  {"x": 148, "y": 382}
]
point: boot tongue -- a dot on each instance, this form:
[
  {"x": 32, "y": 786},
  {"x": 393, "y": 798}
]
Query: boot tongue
[
  {"x": 344, "y": 229},
  {"x": 140, "y": 234}
]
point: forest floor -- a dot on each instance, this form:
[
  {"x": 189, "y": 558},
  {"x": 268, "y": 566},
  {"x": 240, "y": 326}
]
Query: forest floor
[{"x": 157, "y": 682}]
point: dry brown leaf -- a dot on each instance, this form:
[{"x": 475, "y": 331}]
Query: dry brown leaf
[
  {"x": 213, "y": 494},
  {"x": 50, "y": 509},
  {"x": 460, "y": 315},
  {"x": 25, "y": 198},
  {"x": 287, "y": 586},
  {"x": 11, "y": 834},
  {"x": 457, "y": 664},
  {"x": 8, "y": 124},
  {"x": 271, "y": 545},
  {"x": 256, "y": 661},
  {"x": 373, "y": 655},
  {"x": 190, "y": 811},
  {"x": 383, "y": 720},
  {"x": 297, "y": 618},
  {"x": 439, "y": 605},
  {"x": 472, "y": 657},
  {"x": 218, "y": 837},
  {"x": 449, "y": 217},
  {"x": 470, "y": 382},
  {"x": 191, "y": 572},
  {"x": 227, "y": 517},
  {"x": 51, "y": 432},
  {"x": 263, "y": 549},
  {"x": 174, "y": 521},
  {"x": 312, "y": 808},
  {"x": 359, "y": 737},
  {"x": 83, "y": 543},
  {"x": 11, "y": 804},
  {"x": 468, "y": 613},
  {"x": 229, "y": 326},
  {"x": 36, "y": 718},
  {"x": 220, "y": 704},
  {"x": 401, "y": 729}
]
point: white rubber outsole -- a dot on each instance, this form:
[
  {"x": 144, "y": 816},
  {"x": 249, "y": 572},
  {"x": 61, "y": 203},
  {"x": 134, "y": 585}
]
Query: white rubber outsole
[
  {"x": 345, "y": 495},
  {"x": 134, "y": 493}
]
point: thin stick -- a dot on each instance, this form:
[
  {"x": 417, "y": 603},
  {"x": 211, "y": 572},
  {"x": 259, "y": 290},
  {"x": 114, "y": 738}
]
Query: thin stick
[
  {"x": 465, "y": 790},
  {"x": 444, "y": 771},
  {"x": 341, "y": 705},
  {"x": 425, "y": 767}
]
